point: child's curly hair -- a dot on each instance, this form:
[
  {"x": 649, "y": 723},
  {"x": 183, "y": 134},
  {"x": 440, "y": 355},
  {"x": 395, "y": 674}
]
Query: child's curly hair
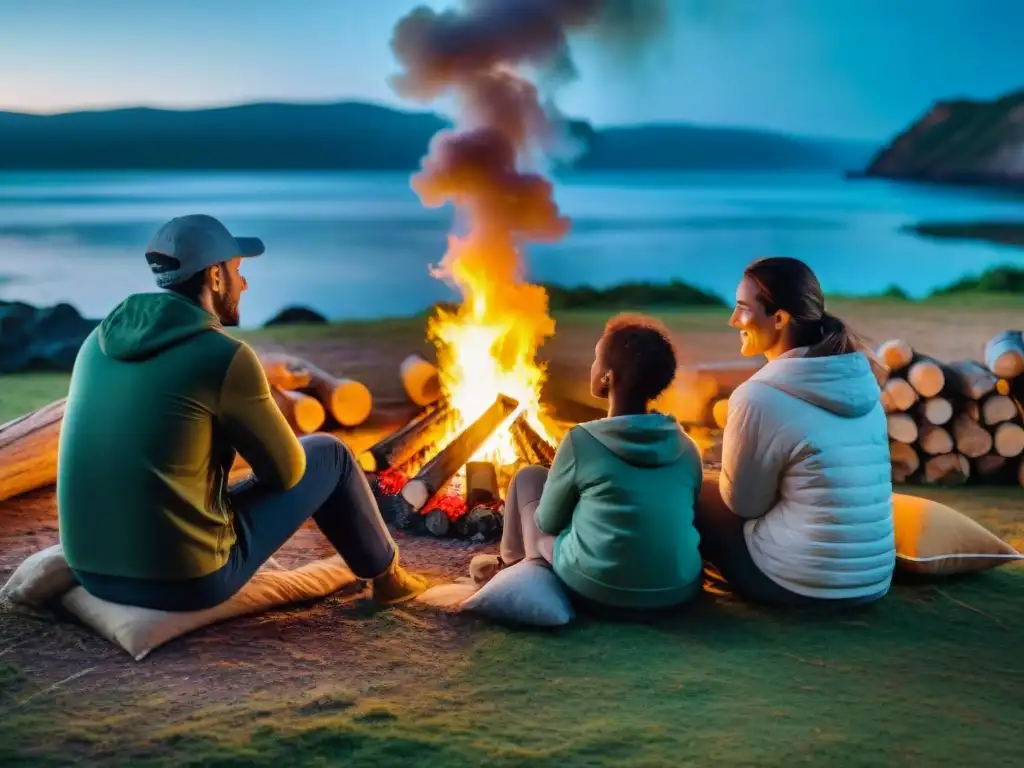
[{"x": 639, "y": 351}]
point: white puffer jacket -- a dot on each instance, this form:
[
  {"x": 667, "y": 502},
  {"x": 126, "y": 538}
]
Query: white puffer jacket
[{"x": 806, "y": 461}]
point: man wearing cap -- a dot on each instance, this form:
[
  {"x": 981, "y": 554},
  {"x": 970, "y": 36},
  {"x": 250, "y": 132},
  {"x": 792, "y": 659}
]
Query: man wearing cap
[{"x": 161, "y": 399}]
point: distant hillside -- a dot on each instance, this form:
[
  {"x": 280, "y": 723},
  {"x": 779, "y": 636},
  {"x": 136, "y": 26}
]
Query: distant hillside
[
  {"x": 960, "y": 142},
  {"x": 357, "y": 136}
]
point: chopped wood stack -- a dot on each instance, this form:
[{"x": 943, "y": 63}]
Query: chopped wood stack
[{"x": 959, "y": 422}]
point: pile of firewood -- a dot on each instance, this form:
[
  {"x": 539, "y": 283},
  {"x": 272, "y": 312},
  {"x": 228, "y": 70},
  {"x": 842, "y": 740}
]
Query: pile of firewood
[{"x": 958, "y": 422}]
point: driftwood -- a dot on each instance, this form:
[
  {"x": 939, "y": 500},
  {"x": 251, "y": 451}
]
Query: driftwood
[
  {"x": 440, "y": 469},
  {"x": 28, "y": 450}
]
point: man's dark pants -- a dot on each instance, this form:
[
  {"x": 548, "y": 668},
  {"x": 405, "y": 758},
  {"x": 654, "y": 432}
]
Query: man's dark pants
[{"x": 333, "y": 491}]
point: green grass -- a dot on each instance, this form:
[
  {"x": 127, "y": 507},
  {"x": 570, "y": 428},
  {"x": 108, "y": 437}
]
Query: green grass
[{"x": 929, "y": 677}]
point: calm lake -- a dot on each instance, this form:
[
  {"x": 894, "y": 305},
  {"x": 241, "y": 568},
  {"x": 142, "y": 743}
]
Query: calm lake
[{"x": 361, "y": 245}]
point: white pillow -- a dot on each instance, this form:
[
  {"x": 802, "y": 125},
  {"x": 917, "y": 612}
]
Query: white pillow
[
  {"x": 41, "y": 578},
  {"x": 141, "y": 630},
  {"x": 526, "y": 593}
]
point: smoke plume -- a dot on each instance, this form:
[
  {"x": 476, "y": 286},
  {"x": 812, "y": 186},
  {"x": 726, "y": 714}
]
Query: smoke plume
[{"x": 480, "y": 55}]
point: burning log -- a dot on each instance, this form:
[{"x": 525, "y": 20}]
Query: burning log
[
  {"x": 972, "y": 439},
  {"x": 420, "y": 380},
  {"x": 28, "y": 450},
  {"x": 996, "y": 408},
  {"x": 481, "y": 483},
  {"x": 934, "y": 440},
  {"x": 397, "y": 448},
  {"x": 439, "y": 470},
  {"x": 926, "y": 376},
  {"x": 482, "y": 522},
  {"x": 902, "y": 428},
  {"x": 896, "y": 354},
  {"x": 531, "y": 447},
  {"x": 935, "y": 410},
  {"x": 1004, "y": 354},
  {"x": 305, "y": 414},
  {"x": 898, "y": 395},
  {"x": 1008, "y": 440},
  {"x": 905, "y": 461},
  {"x": 947, "y": 470}
]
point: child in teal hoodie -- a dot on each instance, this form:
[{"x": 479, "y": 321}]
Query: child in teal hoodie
[{"x": 614, "y": 514}]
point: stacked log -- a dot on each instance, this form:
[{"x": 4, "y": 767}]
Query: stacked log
[{"x": 957, "y": 422}]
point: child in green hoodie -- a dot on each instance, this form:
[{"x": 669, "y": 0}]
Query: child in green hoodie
[{"x": 614, "y": 514}]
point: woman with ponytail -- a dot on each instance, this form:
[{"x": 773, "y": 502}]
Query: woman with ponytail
[{"x": 802, "y": 512}]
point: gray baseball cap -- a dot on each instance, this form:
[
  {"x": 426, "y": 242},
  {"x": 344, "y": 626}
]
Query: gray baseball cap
[{"x": 196, "y": 242}]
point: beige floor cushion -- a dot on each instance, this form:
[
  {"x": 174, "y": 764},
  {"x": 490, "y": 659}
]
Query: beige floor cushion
[
  {"x": 527, "y": 593},
  {"x": 45, "y": 577},
  {"x": 935, "y": 540}
]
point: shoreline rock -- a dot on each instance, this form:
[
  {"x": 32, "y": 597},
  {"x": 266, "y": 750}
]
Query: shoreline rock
[
  {"x": 963, "y": 142},
  {"x": 34, "y": 339}
]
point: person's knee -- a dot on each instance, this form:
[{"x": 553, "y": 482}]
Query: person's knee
[
  {"x": 326, "y": 451},
  {"x": 528, "y": 483}
]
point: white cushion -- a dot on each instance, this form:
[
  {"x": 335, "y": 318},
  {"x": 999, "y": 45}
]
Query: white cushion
[
  {"x": 526, "y": 593},
  {"x": 45, "y": 576}
]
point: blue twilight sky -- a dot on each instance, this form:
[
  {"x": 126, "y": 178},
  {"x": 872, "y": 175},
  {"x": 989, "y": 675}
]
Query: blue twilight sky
[{"x": 849, "y": 68}]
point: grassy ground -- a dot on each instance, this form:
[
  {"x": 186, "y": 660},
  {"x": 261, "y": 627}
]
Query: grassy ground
[{"x": 929, "y": 677}]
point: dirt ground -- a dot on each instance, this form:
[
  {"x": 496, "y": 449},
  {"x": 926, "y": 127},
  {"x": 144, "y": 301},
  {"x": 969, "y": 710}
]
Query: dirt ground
[{"x": 291, "y": 651}]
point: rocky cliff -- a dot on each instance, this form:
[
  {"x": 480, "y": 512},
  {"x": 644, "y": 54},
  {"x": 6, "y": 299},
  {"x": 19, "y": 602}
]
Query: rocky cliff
[{"x": 960, "y": 142}]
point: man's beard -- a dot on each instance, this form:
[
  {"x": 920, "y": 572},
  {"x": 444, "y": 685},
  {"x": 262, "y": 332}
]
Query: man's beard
[{"x": 226, "y": 309}]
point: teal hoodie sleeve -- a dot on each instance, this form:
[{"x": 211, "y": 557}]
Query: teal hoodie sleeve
[
  {"x": 255, "y": 425},
  {"x": 561, "y": 494}
]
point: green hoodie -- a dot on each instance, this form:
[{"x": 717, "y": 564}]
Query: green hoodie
[
  {"x": 620, "y": 498},
  {"x": 161, "y": 399}
]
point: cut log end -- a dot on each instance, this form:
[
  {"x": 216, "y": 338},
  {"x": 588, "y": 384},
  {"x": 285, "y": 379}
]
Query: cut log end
[
  {"x": 934, "y": 440},
  {"x": 898, "y": 395},
  {"x": 1004, "y": 354},
  {"x": 947, "y": 470},
  {"x": 989, "y": 466},
  {"x": 305, "y": 414},
  {"x": 996, "y": 409},
  {"x": 896, "y": 354},
  {"x": 416, "y": 493},
  {"x": 926, "y": 377},
  {"x": 420, "y": 380},
  {"x": 1008, "y": 440},
  {"x": 902, "y": 428},
  {"x": 936, "y": 410},
  {"x": 438, "y": 523},
  {"x": 905, "y": 461},
  {"x": 972, "y": 439},
  {"x": 351, "y": 403}
]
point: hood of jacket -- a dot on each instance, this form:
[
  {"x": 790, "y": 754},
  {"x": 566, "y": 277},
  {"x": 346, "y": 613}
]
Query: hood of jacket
[
  {"x": 146, "y": 324},
  {"x": 842, "y": 384},
  {"x": 644, "y": 440}
]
